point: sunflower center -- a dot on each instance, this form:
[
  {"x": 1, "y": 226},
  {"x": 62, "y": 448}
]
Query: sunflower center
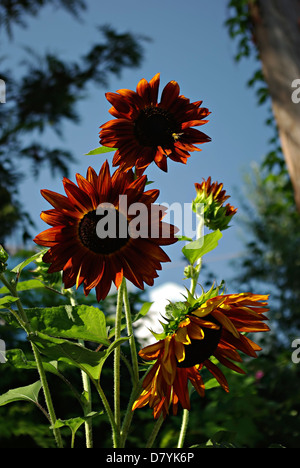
[
  {"x": 104, "y": 232},
  {"x": 200, "y": 350},
  {"x": 155, "y": 127}
]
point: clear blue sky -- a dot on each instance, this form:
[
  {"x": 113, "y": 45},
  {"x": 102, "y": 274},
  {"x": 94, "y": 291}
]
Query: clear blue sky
[{"x": 189, "y": 44}]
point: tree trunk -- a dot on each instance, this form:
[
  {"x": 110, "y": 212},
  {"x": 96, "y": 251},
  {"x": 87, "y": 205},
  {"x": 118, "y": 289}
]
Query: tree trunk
[{"x": 276, "y": 31}]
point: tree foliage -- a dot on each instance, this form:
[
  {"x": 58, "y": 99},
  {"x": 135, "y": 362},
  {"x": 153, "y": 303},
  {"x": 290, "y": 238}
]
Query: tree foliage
[
  {"x": 15, "y": 12},
  {"x": 271, "y": 218}
]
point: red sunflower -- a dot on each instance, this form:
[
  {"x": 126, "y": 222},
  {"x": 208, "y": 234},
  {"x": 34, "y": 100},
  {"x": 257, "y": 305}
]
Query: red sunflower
[
  {"x": 97, "y": 237},
  {"x": 215, "y": 328},
  {"x": 146, "y": 130}
]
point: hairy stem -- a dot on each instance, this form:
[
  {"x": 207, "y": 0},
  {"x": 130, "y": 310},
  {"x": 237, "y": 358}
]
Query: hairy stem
[
  {"x": 133, "y": 350},
  {"x": 155, "y": 431},
  {"x": 183, "y": 429},
  {"x": 117, "y": 358},
  {"x": 88, "y": 425}
]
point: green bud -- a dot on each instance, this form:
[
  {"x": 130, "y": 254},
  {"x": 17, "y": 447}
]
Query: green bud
[{"x": 3, "y": 259}]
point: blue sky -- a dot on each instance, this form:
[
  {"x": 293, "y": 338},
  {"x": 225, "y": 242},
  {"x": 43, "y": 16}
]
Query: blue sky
[{"x": 189, "y": 44}]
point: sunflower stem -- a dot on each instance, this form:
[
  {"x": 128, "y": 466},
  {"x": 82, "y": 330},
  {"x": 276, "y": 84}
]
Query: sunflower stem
[
  {"x": 197, "y": 267},
  {"x": 134, "y": 358},
  {"x": 186, "y": 413},
  {"x": 129, "y": 413},
  {"x": 117, "y": 358},
  {"x": 196, "y": 272},
  {"x": 194, "y": 280},
  {"x": 88, "y": 425},
  {"x": 155, "y": 431},
  {"x": 87, "y": 409},
  {"x": 115, "y": 434},
  {"x": 39, "y": 363},
  {"x": 183, "y": 429}
]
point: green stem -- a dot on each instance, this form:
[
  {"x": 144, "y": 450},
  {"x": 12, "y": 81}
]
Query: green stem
[
  {"x": 87, "y": 409},
  {"x": 183, "y": 429},
  {"x": 115, "y": 431},
  {"x": 155, "y": 431},
  {"x": 38, "y": 359},
  {"x": 132, "y": 344},
  {"x": 129, "y": 413},
  {"x": 117, "y": 358},
  {"x": 196, "y": 272},
  {"x": 186, "y": 413},
  {"x": 194, "y": 280},
  {"x": 47, "y": 395},
  {"x": 88, "y": 425}
]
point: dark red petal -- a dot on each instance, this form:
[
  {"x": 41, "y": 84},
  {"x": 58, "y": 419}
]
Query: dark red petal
[{"x": 169, "y": 95}]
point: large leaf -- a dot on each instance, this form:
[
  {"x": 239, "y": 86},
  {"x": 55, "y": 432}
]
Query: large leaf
[
  {"x": 28, "y": 393},
  {"x": 74, "y": 423},
  {"x": 195, "y": 250},
  {"x": 6, "y": 301},
  {"x": 24, "y": 286},
  {"x": 80, "y": 322},
  {"x": 89, "y": 361},
  {"x": 67, "y": 351},
  {"x": 17, "y": 359}
]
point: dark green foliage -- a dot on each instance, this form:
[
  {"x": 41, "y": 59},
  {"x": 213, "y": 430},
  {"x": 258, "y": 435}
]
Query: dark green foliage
[
  {"x": 16, "y": 11},
  {"x": 271, "y": 263}
]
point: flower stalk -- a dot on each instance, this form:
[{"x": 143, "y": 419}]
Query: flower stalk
[
  {"x": 132, "y": 344},
  {"x": 117, "y": 359}
]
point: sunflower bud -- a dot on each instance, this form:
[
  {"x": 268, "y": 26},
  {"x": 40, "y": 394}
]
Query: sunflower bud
[
  {"x": 3, "y": 259},
  {"x": 212, "y": 197}
]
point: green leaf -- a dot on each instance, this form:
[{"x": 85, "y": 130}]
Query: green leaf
[
  {"x": 222, "y": 439},
  {"x": 75, "y": 423},
  {"x": 24, "y": 286},
  {"x": 86, "y": 323},
  {"x": 6, "y": 301},
  {"x": 69, "y": 352},
  {"x": 17, "y": 359},
  {"x": 196, "y": 249},
  {"x": 28, "y": 393},
  {"x": 211, "y": 383},
  {"x": 184, "y": 238},
  {"x": 20, "y": 266},
  {"x": 143, "y": 311},
  {"x": 100, "y": 150},
  {"x": 91, "y": 362}
]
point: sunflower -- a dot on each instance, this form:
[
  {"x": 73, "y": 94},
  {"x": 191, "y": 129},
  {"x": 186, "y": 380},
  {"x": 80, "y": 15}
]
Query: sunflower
[
  {"x": 192, "y": 336},
  {"x": 95, "y": 238},
  {"x": 145, "y": 130}
]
